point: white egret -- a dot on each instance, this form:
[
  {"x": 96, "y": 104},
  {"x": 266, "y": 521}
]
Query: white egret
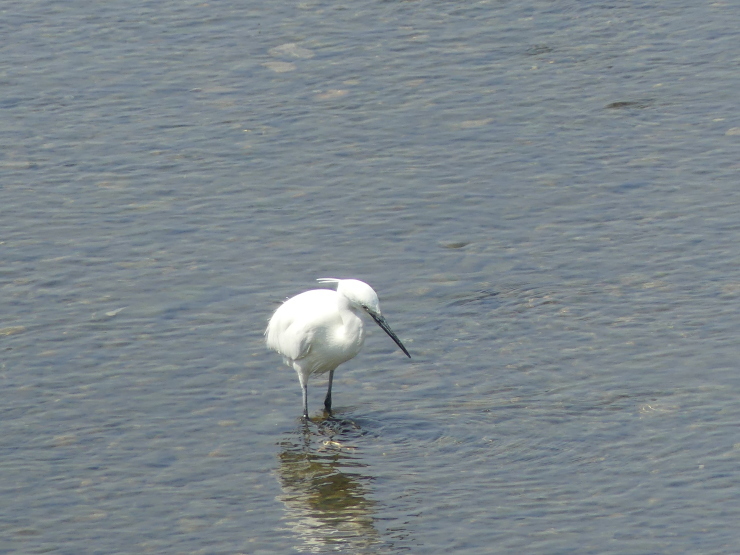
[{"x": 320, "y": 329}]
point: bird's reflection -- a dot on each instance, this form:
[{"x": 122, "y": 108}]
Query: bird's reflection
[{"x": 325, "y": 490}]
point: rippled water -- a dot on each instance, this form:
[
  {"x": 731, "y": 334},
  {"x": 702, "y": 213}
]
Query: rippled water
[{"x": 544, "y": 196}]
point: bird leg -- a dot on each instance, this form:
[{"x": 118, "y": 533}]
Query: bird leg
[
  {"x": 327, "y": 400},
  {"x": 304, "y": 387}
]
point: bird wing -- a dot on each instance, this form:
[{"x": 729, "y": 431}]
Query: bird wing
[{"x": 293, "y": 327}]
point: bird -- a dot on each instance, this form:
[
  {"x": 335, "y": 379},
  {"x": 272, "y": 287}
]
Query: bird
[{"x": 318, "y": 330}]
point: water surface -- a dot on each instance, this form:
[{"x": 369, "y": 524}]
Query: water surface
[{"x": 544, "y": 196}]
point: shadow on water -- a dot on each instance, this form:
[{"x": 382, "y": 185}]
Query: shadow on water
[{"x": 326, "y": 487}]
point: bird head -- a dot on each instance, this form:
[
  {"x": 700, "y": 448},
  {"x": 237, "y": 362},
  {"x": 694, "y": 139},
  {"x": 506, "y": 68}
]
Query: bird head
[
  {"x": 359, "y": 293},
  {"x": 362, "y": 296}
]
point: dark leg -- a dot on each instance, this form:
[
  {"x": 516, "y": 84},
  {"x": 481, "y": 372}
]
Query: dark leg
[
  {"x": 327, "y": 401},
  {"x": 304, "y": 387}
]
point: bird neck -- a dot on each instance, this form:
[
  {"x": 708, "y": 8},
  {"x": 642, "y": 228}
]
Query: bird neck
[{"x": 351, "y": 319}]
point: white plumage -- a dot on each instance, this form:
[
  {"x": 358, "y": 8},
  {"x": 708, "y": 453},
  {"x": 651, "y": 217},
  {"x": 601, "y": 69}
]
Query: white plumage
[{"x": 320, "y": 329}]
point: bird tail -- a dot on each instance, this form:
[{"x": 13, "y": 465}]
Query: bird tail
[{"x": 328, "y": 280}]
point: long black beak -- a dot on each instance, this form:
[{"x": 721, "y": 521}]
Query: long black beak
[{"x": 387, "y": 329}]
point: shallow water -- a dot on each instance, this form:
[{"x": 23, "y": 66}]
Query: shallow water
[{"x": 544, "y": 196}]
